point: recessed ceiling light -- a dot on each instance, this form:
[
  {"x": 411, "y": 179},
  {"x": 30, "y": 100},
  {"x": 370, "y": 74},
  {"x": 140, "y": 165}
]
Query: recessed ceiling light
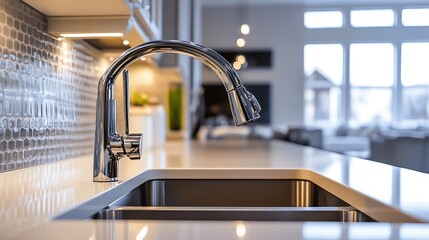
[
  {"x": 241, "y": 42},
  {"x": 241, "y": 59},
  {"x": 245, "y": 29}
]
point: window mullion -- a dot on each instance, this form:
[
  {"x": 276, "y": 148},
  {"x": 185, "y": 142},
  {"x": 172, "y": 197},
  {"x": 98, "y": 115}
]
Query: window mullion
[
  {"x": 346, "y": 103},
  {"x": 346, "y": 106},
  {"x": 397, "y": 86}
]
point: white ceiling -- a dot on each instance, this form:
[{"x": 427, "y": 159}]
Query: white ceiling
[
  {"x": 118, "y": 7},
  {"x": 222, "y": 3}
]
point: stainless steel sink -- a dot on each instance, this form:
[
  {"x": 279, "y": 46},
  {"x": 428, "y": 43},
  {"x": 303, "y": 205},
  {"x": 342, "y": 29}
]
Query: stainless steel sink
[
  {"x": 231, "y": 199},
  {"x": 229, "y": 193},
  {"x": 234, "y": 194}
]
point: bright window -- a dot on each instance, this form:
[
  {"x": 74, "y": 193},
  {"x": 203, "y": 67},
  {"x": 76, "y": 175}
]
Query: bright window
[
  {"x": 323, "y": 67},
  {"x": 415, "y": 60},
  {"x": 371, "y": 64},
  {"x": 415, "y": 79},
  {"x": 370, "y": 105},
  {"x": 371, "y": 79},
  {"x": 415, "y": 17},
  {"x": 325, "y": 58},
  {"x": 372, "y": 18},
  {"x": 372, "y": 92},
  {"x": 323, "y": 19}
]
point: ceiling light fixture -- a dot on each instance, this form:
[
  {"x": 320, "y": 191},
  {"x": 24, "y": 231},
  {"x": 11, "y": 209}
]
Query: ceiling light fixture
[
  {"x": 242, "y": 19},
  {"x": 241, "y": 59},
  {"x": 241, "y": 42},
  {"x": 126, "y": 42},
  {"x": 90, "y": 35},
  {"x": 245, "y": 29}
]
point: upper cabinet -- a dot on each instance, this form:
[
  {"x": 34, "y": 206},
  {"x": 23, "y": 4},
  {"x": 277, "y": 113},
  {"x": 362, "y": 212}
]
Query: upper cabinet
[
  {"x": 73, "y": 8},
  {"x": 149, "y": 14},
  {"x": 105, "y": 23}
]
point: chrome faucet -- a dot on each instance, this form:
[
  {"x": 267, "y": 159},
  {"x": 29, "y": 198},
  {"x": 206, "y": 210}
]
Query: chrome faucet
[{"x": 110, "y": 146}]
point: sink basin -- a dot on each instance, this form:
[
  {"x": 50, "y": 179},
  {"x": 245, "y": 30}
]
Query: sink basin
[
  {"x": 231, "y": 199},
  {"x": 229, "y": 193},
  {"x": 233, "y": 194}
]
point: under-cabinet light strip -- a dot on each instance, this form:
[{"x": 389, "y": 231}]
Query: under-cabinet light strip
[{"x": 83, "y": 35}]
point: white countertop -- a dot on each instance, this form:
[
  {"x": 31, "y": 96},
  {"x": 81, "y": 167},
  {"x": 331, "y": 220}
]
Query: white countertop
[{"x": 31, "y": 197}]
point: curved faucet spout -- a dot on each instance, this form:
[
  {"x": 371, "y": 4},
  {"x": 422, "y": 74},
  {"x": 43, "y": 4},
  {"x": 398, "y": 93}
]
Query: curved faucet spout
[{"x": 110, "y": 146}]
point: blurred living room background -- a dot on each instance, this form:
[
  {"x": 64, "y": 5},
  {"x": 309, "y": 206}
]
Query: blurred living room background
[{"x": 347, "y": 77}]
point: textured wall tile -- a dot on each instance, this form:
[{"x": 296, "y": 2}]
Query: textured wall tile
[{"x": 47, "y": 91}]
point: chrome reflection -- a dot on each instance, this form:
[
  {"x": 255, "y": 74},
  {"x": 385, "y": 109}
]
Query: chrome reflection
[{"x": 142, "y": 234}]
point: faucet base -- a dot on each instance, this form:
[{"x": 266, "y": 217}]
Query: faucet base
[{"x": 103, "y": 178}]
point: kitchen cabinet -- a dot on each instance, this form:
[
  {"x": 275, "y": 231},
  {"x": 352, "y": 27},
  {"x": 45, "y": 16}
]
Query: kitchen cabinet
[
  {"x": 137, "y": 21},
  {"x": 148, "y": 14}
]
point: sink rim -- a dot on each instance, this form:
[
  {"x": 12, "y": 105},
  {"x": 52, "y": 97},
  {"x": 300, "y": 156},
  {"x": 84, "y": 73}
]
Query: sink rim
[{"x": 336, "y": 214}]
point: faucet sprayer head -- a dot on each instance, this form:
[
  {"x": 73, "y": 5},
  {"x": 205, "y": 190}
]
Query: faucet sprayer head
[{"x": 244, "y": 106}]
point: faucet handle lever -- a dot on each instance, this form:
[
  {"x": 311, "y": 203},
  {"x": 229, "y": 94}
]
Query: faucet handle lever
[
  {"x": 132, "y": 145},
  {"x": 126, "y": 89}
]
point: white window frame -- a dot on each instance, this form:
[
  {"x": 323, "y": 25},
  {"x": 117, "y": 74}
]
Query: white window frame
[{"x": 395, "y": 35}]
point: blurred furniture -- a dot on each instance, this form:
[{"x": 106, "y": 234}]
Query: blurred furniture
[
  {"x": 405, "y": 151},
  {"x": 425, "y": 165},
  {"x": 345, "y": 144},
  {"x": 312, "y": 137},
  {"x": 223, "y": 132}
]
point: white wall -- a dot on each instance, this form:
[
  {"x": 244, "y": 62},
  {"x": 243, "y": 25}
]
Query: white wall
[{"x": 277, "y": 28}]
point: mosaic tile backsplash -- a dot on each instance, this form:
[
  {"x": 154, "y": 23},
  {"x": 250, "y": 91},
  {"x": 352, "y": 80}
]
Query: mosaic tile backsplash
[{"x": 48, "y": 91}]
